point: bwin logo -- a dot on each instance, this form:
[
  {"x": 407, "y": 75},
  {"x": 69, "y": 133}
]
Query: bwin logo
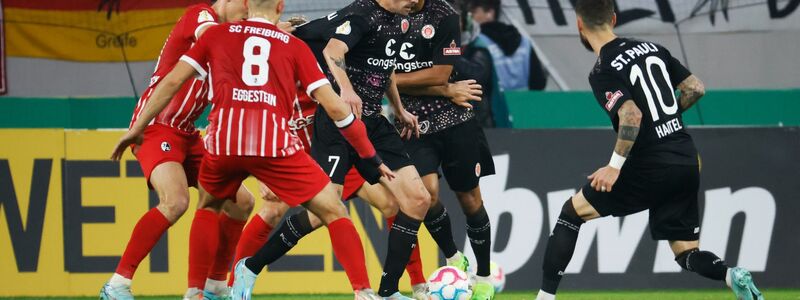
[{"x": 165, "y": 147}]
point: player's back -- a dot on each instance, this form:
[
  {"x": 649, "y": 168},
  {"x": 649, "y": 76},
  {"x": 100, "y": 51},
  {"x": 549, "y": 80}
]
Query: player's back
[
  {"x": 254, "y": 68},
  {"x": 181, "y": 113},
  {"x": 646, "y": 73}
]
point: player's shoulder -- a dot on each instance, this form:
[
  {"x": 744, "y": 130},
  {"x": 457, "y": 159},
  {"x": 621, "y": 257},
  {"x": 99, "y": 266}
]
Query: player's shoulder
[
  {"x": 441, "y": 8},
  {"x": 202, "y": 11}
]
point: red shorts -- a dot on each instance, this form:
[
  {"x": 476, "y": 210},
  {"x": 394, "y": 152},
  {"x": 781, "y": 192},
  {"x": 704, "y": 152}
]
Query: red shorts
[
  {"x": 294, "y": 179},
  {"x": 164, "y": 144},
  {"x": 352, "y": 183}
]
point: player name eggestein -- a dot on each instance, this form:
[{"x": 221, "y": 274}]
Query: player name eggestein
[
  {"x": 254, "y": 96},
  {"x": 265, "y": 32},
  {"x": 635, "y": 51}
]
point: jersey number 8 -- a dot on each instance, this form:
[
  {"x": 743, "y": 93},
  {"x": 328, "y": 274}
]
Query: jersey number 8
[
  {"x": 638, "y": 75},
  {"x": 256, "y": 62}
]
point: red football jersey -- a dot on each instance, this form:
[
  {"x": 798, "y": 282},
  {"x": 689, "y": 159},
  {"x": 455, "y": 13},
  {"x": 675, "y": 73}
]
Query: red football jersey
[
  {"x": 303, "y": 118},
  {"x": 191, "y": 99},
  {"x": 254, "y": 70}
]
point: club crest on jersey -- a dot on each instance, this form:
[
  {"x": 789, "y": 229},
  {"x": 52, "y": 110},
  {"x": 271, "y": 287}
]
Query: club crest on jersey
[
  {"x": 452, "y": 50},
  {"x": 204, "y": 16},
  {"x": 404, "y": 25},
  {"x": 612, "y": 99},
  {"x": 165, "y": 147},
  {"x": 428, "y": 32},
  {"x": 344, "y": 29},
  {"x": 478, "y": 170},
  {"x": 424, "y": 126}
]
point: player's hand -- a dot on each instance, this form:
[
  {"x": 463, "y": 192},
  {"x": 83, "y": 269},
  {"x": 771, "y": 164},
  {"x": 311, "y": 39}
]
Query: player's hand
[
  {"x": 266, "y": 193},
  {"x": 386, "y": 172},
  {"x": 410, "y": 124},
  {"x": 352, "y": 99},
  {"x": 604, "y": 178},
  {"x": 286, "y": 26},
  {"x": 297, "y": 20},
  {"x": 463, "y": 91},
  {"x": 128, "y": 139}
]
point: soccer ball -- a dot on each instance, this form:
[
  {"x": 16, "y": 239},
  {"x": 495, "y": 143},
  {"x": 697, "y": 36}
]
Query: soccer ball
[
  {"x": 449, "y": 283},
  {"x": 497, "y": 277}
]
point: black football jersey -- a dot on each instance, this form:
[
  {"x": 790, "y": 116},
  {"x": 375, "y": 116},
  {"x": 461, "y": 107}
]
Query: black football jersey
[
  {"x": 373, "y": 36},
  {"x": 645, "y": 72},
  {"x": 433, "y": 39}
]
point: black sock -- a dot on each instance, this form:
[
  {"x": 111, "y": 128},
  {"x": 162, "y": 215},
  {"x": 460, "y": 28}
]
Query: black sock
[
  {"x": 479, "y": 231},
  {"x": 438, "y": 223},
  {"x": 282, "y": 240},
  {"x": 705, "y": 263},
  {"x": 560, "y": 247},
  {"x": 402, "y": 240}
]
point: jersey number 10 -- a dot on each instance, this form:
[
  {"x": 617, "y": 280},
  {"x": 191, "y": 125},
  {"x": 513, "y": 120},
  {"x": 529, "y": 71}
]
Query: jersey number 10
[
  {"x": 259, "y": 61},
  {"x": 638, "y": 75}
]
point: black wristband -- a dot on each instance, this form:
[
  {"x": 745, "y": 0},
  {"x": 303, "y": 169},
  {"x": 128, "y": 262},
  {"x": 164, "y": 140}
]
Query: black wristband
[{"x": 375, "y": 160}]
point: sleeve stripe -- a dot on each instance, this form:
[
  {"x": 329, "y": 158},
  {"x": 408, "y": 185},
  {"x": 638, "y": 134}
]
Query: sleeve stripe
[
  {"x": 200, "y": 70},
  {"x": 316, "y": 84},
  {"x": 201, "y": 26}
]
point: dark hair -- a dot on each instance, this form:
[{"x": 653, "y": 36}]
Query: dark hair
[
  {"x": 595, "y": 13},
  {"x": 485, "y": 5}
]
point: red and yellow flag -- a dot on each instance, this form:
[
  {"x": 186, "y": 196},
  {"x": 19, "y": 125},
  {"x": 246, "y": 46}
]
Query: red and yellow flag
[{"x": 90, "y": 30}]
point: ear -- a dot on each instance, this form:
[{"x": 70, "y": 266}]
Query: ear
[
  {"x": 614, "y": 20},
  {"x": 280, "y": 7},
  {"x": 580, "y": 23}
]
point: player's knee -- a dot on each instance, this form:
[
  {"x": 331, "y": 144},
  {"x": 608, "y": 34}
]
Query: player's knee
[
  {"x": 174, "y": 206},
  {"x": 421, "y": 199},
  {"x": 389, "y": 208},
  {"x": 569, "y": 214},
  {"x": 272, "y": 214},
  {"x": 246, "y": 202},
  {"x": 470, "y": 201}
]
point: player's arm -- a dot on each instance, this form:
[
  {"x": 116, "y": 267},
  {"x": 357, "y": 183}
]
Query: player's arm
[
  {"x": 351, "y": 128},
  {"x": 692, "y": 89},
  {"x": 436, "y": 75},
  {"x": 409, "y": 121},
  {"x": 459, "y": 92},
  {"x": 630, "y": 120},
  {"x": 159, "y": 99}
]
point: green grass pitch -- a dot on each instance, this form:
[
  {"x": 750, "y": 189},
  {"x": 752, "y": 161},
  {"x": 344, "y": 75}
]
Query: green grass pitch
[{"x": 771, "y": 294}]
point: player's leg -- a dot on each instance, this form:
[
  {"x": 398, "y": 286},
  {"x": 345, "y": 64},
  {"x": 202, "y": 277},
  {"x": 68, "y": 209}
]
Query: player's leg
[
  {"x": 465, "y": 159},
  {"x": 169, "y": 181},
  {"x": 257, "y": 231},
  {"x": 413, "y": 200},
  {"x": 677, "y": 219},
  {"x": 232, "y": 220},
  {"x": 377, "y": 196},
  {"x": 561, "y": 244},
  {"x": 287, "y": 235},
  {"x": 167, "y": 177},
  {"x": 295, "y": 179},
  {"x": 203, "y": 243}
]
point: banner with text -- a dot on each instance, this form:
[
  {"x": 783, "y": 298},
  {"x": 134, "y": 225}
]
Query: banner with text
[
  {"x": 557, "y": 17},
  {"x": 67, "y": 213}
]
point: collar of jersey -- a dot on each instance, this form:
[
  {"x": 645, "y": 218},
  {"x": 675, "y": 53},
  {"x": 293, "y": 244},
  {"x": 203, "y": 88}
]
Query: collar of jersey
[{"x": 261, "y": 20}]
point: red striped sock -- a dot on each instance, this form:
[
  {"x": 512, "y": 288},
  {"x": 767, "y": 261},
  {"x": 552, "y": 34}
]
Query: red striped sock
[
  {"x": 414, "y": 266},
  {"x": 350, "y": 252},
  {"x": 145, "y": 235},
  {"x": 230, "y": 230},
  {"x": 203, "y": 242},
  {"x": 254, "y": 236}
]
